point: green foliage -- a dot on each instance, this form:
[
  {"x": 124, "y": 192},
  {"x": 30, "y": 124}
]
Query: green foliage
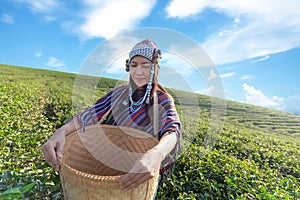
[
  {"x": 16, "y": 193},
  {"x": 242, "y": 165},
  {"x": 255, "y": 156}
]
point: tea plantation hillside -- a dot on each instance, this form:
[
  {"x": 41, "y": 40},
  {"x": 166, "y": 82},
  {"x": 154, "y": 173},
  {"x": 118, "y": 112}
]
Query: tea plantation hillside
[{"x": 256, "y": 154}]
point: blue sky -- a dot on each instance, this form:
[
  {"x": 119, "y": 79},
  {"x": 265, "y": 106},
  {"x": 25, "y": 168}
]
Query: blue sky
[{"x": 254, "y": 45}]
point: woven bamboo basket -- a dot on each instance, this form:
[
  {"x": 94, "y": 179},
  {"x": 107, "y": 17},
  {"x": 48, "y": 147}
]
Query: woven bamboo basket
[{"x": 94, "y": 161}]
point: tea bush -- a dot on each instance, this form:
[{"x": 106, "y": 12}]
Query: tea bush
[{"x": 255, "y": 156}]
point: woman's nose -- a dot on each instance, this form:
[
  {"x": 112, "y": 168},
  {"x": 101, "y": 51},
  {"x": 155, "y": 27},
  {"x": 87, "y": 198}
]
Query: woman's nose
[{"x": 139, "y": 70}]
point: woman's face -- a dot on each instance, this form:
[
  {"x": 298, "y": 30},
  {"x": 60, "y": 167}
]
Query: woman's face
[{"x": 139, "y": 69}]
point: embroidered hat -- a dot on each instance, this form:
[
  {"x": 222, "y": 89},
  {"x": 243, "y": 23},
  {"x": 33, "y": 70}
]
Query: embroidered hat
[{"x": 145, "y": 48}]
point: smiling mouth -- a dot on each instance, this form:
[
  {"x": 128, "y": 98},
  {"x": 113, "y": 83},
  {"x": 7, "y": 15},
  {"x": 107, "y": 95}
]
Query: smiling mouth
[{"x": 139, "y": 79}]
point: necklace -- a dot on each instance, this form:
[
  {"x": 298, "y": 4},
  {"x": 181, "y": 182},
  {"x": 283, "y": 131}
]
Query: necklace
[{"x": 136, "y": 105}]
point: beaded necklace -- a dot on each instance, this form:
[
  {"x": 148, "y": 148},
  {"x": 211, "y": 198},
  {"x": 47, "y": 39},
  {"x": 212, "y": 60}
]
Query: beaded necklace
[{"x": 136, "y": 105}]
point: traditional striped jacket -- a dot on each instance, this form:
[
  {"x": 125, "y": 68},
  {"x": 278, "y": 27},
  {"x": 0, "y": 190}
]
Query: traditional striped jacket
[{"x": 121, "y": 115}]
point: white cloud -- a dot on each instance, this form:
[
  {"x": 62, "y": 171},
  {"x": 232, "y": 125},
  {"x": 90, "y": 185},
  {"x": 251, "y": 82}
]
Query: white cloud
[
  {"x": 93, "y": 18},
  {"x": 41, "y": 6},
  {"x": 38, "y": 54},
  {"x": 48, "y": 9},
  {"x": 257, "y": 97},
  {"x": 258, "y": 29},
  {"x": 107, "y": 18},
  {"x": 266, "y": 57},
  {"x": 246, "y": 77},
  {"x": 227, "y": 75},
  {"x": 8, "y": 19},
  {"x": 183, "y": 8},
  {"x": 54, "y": 62}
]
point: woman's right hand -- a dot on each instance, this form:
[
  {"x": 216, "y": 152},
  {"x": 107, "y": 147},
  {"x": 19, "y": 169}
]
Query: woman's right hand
[{"x": 52, "y": 149}]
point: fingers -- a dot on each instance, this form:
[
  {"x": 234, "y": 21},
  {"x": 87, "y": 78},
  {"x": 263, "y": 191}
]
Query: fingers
[
  {"x": 52, "y": 149},
  {"x": 143, "y": 170},
  {"x": 59, "y": 148},
  {"x": 132, "y": 180},
  {"x": 139, "y": 174},
  {"x": 127, "y": 180},
  {"x": 49, "y": 151}
]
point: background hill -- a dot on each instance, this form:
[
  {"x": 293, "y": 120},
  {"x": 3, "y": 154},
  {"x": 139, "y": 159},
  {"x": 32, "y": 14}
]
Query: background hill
[{"x": 256, "y": 155}]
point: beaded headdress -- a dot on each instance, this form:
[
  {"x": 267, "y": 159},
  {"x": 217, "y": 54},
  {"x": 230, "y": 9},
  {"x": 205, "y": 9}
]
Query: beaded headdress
[{"x": 146, "y": 48}]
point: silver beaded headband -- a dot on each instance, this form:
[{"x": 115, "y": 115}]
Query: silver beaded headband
[{"x": 146, "y": 48}]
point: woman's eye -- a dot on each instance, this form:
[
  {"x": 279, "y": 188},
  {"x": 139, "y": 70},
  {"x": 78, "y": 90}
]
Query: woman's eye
[{"x": 142, "y": 66}]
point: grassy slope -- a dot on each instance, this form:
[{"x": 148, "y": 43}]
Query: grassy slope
[{"x": 256, "y": 154}]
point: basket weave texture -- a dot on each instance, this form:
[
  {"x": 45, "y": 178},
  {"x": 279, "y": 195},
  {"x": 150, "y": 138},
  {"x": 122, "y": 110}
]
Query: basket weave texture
[{"x": 94, "y": 161}]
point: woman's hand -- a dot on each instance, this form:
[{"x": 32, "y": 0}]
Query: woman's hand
[
  {"x": 146, "y": 167},
  {"x": 52, "y": 149},
  {"x": 143, "y": 170}
]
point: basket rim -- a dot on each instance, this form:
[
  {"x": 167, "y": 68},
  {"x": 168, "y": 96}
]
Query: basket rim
[
  {"x": 96, "y": 177},
  {"x": 140, "y": 132}
]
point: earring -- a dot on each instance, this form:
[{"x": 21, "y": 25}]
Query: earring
[
  {"x": 156, "y": 57},
  {"x": 127, "y": 65}
]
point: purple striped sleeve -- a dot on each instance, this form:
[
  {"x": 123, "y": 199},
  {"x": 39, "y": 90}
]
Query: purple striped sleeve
[{"x": 170, "y": 119}]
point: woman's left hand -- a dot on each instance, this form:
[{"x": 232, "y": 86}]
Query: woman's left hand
[{"x": 144, "y": 169}]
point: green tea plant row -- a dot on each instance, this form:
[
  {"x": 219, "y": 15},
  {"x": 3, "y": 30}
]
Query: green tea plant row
[
  {"x": 240, "y": 161},
  {"x": 243, "y": 164},
  {"x": 23, "y": 128},
  {"x": 33, "y": 104}
]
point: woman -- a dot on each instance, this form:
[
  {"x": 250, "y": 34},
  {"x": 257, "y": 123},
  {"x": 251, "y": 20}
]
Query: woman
[{"x": 131, "y": 105}]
